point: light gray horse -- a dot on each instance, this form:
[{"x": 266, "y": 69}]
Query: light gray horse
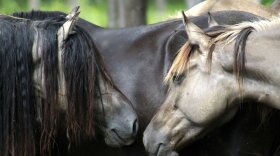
[{"x": 211, "y": 75}]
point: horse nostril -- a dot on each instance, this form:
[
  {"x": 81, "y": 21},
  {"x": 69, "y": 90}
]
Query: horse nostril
[
  {"x": 116, "y": 133},
  {"x": 159, "y": 148},
  {"x": 113, "y": 130},
  {"x": 135, "y": 127}
]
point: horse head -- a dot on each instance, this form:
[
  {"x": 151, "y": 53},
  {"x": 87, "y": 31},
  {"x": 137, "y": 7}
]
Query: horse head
[
  {"x": 210, "y": 77},
  {"x": 57, "y": 78}
]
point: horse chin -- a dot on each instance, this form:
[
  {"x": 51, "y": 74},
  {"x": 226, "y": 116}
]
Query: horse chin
[
  {"x": 114, "y": 140},
  {"x": 164, "y": 150},
  {"x": 173, "y": 153}
]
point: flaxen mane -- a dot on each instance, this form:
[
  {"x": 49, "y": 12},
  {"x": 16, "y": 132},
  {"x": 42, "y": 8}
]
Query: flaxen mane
[
  {"x": 225, "y": 34},
  {"x": 29, "y": 126}
]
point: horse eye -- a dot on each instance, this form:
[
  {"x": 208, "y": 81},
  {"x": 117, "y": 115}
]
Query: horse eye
[
  {"x": 177, "y": 79},
  {"x": 175, "y": 107}
]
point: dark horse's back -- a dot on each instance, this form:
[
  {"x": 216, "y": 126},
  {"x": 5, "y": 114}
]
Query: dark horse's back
[{"x": 138, "y": 58}]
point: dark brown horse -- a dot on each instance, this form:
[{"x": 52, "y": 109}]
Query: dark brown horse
[
  {"x": 53, "y": 77},
  {"x": 138, "y": 59}
]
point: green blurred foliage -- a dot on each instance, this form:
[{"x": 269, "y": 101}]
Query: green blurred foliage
[
  {"x": 92, "y": 10},
  {"x": 96, "y": 10},
  {"x": 267, "y": 2}
]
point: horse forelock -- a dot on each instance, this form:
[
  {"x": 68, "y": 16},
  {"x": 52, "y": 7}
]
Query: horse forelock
[
  {"x": 82, "y": 62},
  {"x": 50, "y": 110},
  {"x": 180, "y": 62}
]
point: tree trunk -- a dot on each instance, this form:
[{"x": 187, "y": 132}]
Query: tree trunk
[
  {"x": 34, "y": 4},
  {"x": 73, "y": 3},
  {"x": 127, "y": 13},
  {"x": 276, "y": 6},
  {"x": 191, "y": 3},
  {"x": 113, "y": 14},
  {"x": 132, "y": 12},
  {"x": 160, "y": 6}
]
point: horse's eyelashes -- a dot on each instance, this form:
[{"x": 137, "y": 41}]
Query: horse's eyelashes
[{"x": 177, "y": 79}]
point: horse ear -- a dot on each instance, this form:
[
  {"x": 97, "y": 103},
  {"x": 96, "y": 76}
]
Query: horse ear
[
  {"x": 73, "y": 12},
  {"x": 195, "y": 34},
  {"x": 66, "y": 29},
  {"x": 211, "y": 21}
]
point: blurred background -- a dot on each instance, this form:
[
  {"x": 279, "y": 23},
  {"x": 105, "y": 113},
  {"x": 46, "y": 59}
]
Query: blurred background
[{"x": 108, "y": 13}]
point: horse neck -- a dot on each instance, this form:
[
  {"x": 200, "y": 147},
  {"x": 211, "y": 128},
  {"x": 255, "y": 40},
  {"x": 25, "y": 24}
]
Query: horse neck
[
  {"x": 262, "y": 92},
  {"x": 262, "y": 72},
  {"x": 89, "y": 27},
  {"x": 262, "y": 56}
]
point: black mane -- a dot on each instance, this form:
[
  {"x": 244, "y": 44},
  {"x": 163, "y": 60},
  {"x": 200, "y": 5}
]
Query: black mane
[
  {"x": 16, "y": 93},
  {"x": 26, "y": 122},
  {"x": 39, "y": 15},
  {"x": 18, "y": 105}
]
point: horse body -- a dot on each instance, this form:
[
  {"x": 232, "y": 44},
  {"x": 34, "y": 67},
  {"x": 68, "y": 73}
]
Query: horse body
[{"x": 207, "y": 94}]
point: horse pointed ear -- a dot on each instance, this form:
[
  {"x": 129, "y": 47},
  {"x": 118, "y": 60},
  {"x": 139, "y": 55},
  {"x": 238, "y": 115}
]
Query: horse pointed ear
[
  {"x": 211, "y": 21},
  {"x": 195, "y": 34},
  {"x": 67, "y": 28},
  {"x": 73, "y": 12}
]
